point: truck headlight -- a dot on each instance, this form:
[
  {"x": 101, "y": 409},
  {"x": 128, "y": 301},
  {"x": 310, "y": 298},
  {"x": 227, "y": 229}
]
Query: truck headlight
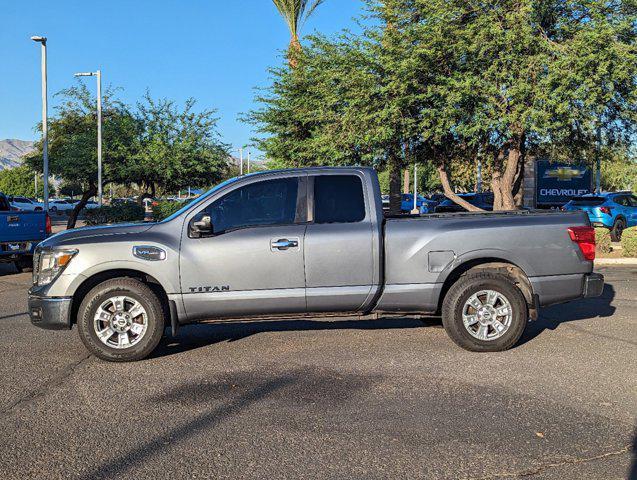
[{"x": 48, "y": 264}]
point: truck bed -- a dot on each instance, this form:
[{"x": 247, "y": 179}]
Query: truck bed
[{"x": 421, "y": 251}]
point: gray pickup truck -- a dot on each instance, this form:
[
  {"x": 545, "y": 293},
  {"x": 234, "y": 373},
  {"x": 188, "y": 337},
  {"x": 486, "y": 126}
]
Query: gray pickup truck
[{"x": 309, "y": 242}]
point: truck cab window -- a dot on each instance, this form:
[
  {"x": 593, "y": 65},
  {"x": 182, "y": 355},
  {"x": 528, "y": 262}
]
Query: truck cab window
[
  {"x": 338, "y": 199},
  {"x": 4, "y": 204},
  {"x": 271, "y": 202}
]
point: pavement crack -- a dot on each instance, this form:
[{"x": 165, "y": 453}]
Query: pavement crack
[
  {"x": 45, "y": 387},
  {"x": 537, "y": 470}
]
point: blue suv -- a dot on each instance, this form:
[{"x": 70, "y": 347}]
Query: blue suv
[{"x": 614, "y": 210}]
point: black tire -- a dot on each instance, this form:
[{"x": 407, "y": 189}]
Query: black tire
[
  {"x": 462, "y": 290},
  {"x": 618, "y": 228},
  {"x": 135, "y": 289}
]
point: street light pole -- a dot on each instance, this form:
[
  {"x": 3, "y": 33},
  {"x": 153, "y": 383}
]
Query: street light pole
[
  {"x": 248, "y": 161},
  {"x": 97, "y": 74},
  {"x": 45, "y": 130},
  {"x": 415, "y": 209},
  {"x": 99, "y": 138},
  {"x": 240, "y": 161}
]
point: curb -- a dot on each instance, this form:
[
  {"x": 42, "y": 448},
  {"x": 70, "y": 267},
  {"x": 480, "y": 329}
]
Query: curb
[{"x": 615, "y": 261}]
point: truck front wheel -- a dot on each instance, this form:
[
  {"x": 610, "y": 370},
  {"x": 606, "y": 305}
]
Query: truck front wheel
[
  {"x": 485, "y": 312},
  {"x": 121, "y": 320}
]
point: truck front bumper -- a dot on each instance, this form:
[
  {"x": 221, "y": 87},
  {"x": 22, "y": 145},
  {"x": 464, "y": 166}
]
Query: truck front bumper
[
  {"x": 593, "y": 285},
  {"x": 50, "y": 313}
]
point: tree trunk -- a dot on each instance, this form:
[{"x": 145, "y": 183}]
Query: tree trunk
[
  {"x": 450, "y": 194},
  {"x": 518, "y": 189},
  {"x": 294, "y": 51},
  {"x": 406, "y": 181},
  {"x": 91, "y": 192},
  {"x": 395, "y": 198}
]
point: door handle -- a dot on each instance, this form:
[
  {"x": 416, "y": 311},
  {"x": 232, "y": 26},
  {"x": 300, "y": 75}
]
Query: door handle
[{"x": 284, "y": 244}]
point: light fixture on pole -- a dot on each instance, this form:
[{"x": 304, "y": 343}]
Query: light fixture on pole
[
  {"x": 45, "y": 130},
  {"x": 97, "y": 74}
]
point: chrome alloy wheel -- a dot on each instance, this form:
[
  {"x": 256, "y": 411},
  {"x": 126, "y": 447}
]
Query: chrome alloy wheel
[
  {"x": 487, "y": 315},
  {"x": 120, "y": 322}
]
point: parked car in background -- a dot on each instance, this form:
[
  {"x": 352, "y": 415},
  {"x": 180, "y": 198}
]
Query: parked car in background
[
  {"x": 613, "y": 210},
  {"x": 25, "y": 204},
  {"x": 423, "y": 204},
  {"x": 407, "y": 203},
  {"x": 20, "y": 232},
  {"x": 60, "y": 205},
  {"x": 91, "y": 204},
  {"x": 482, "y": 200}
]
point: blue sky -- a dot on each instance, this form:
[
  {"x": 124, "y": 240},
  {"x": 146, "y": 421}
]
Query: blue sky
[{"x": 216, "y": 51}]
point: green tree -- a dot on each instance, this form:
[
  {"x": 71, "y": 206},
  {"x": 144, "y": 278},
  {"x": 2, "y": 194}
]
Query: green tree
[
  {"x": 295, "y": 13},
  {"x": 20, "y": 181},
  {"x": 448, "y": 83},
  {"x": 516, "y": 76},
  {"x": 176, "y": 148},
  {"x": 73, "y": 142}
]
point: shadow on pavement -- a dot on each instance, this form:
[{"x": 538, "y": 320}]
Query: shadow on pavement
[
  {"x": 195, "y": 336},
  {"x": 632, "y": 472},
  {"x": 226, "y": 396},
  {"x": 586, "y": 309},
  {"x": 7, "y": 269}
]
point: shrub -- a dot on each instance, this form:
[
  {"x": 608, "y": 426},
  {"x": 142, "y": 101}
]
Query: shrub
[
  {"x": 127, "y": 212},
  {"x": 602, "y": 240},
  {"x": 629, "y": 242},
  {"x": 165, "y": 209}
]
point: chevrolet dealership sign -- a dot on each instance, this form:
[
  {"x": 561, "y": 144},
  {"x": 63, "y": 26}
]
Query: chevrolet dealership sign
[{"x": 557, "y": 183}]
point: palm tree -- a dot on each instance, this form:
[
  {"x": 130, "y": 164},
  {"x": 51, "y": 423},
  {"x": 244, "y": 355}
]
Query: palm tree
[{"x": 295, "y": 13}]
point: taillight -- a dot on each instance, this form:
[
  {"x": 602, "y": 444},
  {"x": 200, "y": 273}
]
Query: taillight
[
  {"x": 605, "y": 210},
  {"x": 48, "y": 224},
  {"x": 585, "y": 239}
]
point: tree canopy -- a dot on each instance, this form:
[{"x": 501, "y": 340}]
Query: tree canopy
[
  {"x": 20, "y": 181},
  {"x": 452, "y": 82},
  {"x": 154, "y": 145}
]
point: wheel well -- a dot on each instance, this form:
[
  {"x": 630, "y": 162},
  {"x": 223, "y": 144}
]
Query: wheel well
[
  {"x": 98, "y": 278},
  {"x": 497, "y": 265}
]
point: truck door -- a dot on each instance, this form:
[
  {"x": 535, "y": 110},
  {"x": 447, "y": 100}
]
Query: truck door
[
  {"x": 338, "y": 244},
  {"x": 252, "y": 262}
]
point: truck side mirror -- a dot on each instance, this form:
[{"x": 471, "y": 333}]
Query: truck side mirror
[{"x": 200, "y": 226}]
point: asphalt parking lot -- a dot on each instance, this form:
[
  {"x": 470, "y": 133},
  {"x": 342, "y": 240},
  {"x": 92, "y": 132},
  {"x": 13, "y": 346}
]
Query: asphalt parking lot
[{"x": 391, "y": 398}]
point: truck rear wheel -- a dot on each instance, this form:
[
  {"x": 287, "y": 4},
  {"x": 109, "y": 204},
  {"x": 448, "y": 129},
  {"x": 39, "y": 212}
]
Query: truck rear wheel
[
  {"x": 121, "y": 320},
  {"x": 485, "y": 312}
]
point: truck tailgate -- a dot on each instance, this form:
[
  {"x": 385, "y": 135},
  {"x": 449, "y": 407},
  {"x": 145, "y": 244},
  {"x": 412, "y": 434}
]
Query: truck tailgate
[{"x": 22, "y": 226}]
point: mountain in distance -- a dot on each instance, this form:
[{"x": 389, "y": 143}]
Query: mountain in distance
[{"x": 12, "y": 151}]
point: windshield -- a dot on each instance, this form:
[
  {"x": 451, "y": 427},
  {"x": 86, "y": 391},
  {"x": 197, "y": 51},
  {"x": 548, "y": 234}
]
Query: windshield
[{"x": 201, "y": 198}]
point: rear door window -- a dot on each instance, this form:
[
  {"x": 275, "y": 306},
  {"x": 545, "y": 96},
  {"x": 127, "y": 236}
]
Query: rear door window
[
  {"x": 338, "y": 199},
  {"x": 4, "y": 204},
  {"x": 622, "y": 200}
]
